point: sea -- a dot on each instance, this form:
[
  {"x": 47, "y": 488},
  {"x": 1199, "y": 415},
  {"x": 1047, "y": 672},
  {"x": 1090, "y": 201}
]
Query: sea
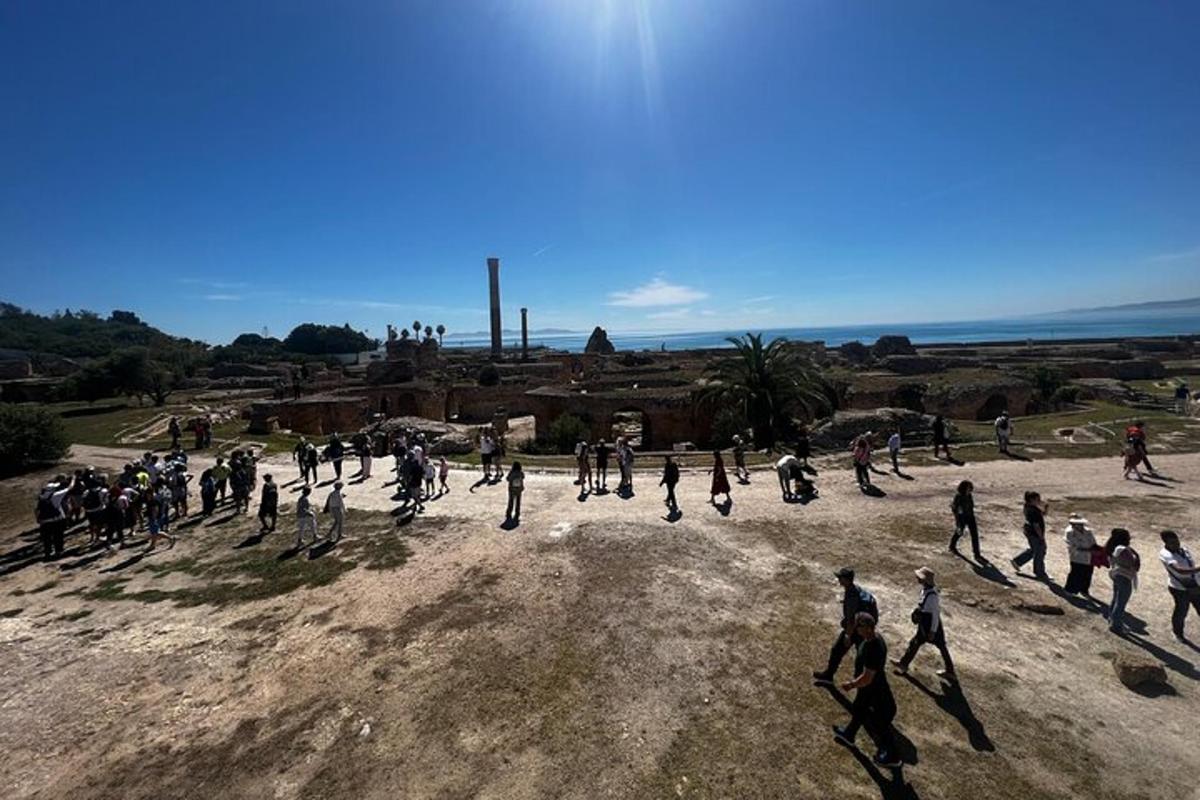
[{"x": 997, "y": 330}]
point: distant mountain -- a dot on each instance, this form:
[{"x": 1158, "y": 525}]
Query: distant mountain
[
  {"x": 509, "y": 332},
  {"x": 1156, "y": 308}
]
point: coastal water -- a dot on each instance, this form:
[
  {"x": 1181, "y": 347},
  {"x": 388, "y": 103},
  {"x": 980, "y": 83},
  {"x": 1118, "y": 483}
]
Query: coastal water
[{"x": 919, "y": 333}]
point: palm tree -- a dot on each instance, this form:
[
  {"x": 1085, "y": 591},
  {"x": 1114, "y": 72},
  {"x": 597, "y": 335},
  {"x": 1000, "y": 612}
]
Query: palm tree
[
  {"x": 417, "y": 327},
  {"x": 428, "y": 331},
  {"x": 441, "y": 331},
  {"x": 767, "y": 383}
]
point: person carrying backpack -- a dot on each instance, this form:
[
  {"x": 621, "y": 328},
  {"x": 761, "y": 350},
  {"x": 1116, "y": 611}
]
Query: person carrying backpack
[
  {"x": 52, "y": 521},
  {"x": 855, "y": 600},
  {"x": 927, "y": 616},
  {"x": 516, "y": 487}
]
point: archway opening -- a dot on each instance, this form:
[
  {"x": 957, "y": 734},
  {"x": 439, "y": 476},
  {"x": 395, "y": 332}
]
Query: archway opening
[{"x": 634, "y": 425}]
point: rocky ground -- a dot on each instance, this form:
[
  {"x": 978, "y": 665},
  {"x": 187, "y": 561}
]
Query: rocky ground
[{"x": 597, "y": 650}]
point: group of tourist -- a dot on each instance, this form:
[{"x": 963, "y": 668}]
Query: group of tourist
[{"x": 588, "y": 482}]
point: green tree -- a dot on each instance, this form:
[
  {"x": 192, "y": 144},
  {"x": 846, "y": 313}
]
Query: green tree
[
  {"x": 319, "y": 340},
  {"x": 768, "y": 383},
  {"x": 566, "y": 431},
  {"x": 89, "y": 384},
  {"x": 29, "y": 437}
]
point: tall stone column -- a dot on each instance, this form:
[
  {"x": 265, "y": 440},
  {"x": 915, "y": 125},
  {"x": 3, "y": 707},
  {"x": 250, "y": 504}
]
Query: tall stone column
[
  {"x": 524, "y": 334},
  {"x": 494, "y": 293}
]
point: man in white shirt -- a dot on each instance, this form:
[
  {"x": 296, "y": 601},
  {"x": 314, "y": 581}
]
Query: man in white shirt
[
  {"x": 1182, "y": 580},
  {"x": 928, "y": 618},
  {"x": 894, "y": 445},
  {"x": 784, "y": 467},
  {"x": 486, "y": 448},
  {"x": 51, "y": 518},
  {"x": 335, "y": 506}
]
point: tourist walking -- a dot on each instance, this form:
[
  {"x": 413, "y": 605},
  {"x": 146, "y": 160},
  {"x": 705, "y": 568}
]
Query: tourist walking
[
  {"x": 443, "y": 475},
  {"x": 1035, "y": 536},
  {"x": 306, "y": 518},
  {"x": 720, "y": 480},
  {"x": 179, "y": 479},
  {"x": 603, "y": 452},
  {"x": 941, "y": 440},
  {"x": 208, "y": 493},
  {"x": 268, "y": 504},
  {"x": 803, "y": 445},
  {"x": 584, "y": 465},
  {"x": 739, "y": 460},
  {"x": 51, "y": 519},
  {"x": 670, "y": 478},
  {"x": 1183, "y": 582},
  {"x": 1081, "y": 548},
  {"x": 873, "y": 706},
  {"x": 893, "y": 446},
  {"x": 855, "y": 600},
  {"x": 1004, "y": 430},
  {"x": 312, "y": 458},
  {"x": 239, "y": 484},
  {"x": 861, "y": 453},
  {"x": 335, "y": 507},
  {"x": 927, "y": 616},
  {"x": 1181, "y": 398},
  {"x": 963, "y": 508},
  {"x": 175, "y": 431},
  {"x": 299, "y": 457},
  {"x": 1135, "y": 437},
  {"x": 334, "y": 452},
  {"x": 154, "y": 519},
  {"x": 516, "y": 487},
  {"x": 1124, "y": 563}
]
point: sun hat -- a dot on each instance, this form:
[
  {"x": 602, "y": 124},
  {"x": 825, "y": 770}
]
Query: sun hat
[
  {"x": 924, "y": 574},
  {"x": 1077, "y": 519}
]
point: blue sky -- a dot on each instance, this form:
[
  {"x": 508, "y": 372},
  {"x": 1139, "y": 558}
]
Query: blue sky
[{"x": 221, "y": 167}]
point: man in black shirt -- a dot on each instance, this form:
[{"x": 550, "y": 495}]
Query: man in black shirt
[
  {"x": 603, "y": 451},
  {"x": 855, "y": 600},
  {"x": 940, "y": 440},
  {"x": 670, "y": 478},
  {"x": 873, "y": 707}
]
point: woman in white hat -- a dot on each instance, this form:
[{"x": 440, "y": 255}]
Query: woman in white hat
[
  {"x": 928, "y": 618},
  {"x": 1081, "y": 544}
]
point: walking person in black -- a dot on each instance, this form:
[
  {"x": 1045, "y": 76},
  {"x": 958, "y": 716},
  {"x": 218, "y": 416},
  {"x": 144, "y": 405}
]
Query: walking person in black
[
  {"x": 335, "y": 451},
  {"x": 175, "y": 430},
  {"x": 855, "y": 600},
  {"x": 963, "y": 507},
  {"x": 940, "y": 440},
  {"x": 670, "y": 478},
  {"x": 873, "y": 706},
  {"x": 268, "y": 504},
  {"x": 927, "y": 616},
  {"x": 51, "y": 519},
  {"x": 1035, "y": 536}
]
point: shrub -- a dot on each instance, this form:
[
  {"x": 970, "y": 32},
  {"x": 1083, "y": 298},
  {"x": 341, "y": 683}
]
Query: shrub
[
  {"x": 565, "y": 432},
  {"x": 1065, "y": 396},
  {"x": 29, "y": 437},
  {"x": 489, "y": 375},
  {"x": 727, "y": 423}
]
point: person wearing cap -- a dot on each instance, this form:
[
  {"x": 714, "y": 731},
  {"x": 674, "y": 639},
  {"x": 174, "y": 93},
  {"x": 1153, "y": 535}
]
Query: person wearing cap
[
  {"x": 874, "y": 706},
  {"x": 1081, "y": 544},
  {"x": 928, "y": 618},
  {"x": 855, "y": 600},
  {"x": 335, "y": 506}
]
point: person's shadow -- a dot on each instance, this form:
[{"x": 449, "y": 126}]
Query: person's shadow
[
  {"x": 583, "y": 495},
  {"x": 481, "y": 482},
  {"x": 871, "y": 490},
  {"x": 987, "y": 570},
  {"x": 1171, "y": 661},
  {"x": 250, "y": 541},
  {"x": 673, "y": 515},
  {"x": 954, "y": 702},
  {"x": 1082, "y": 603},
  {"x": 1016, "y": 456},
  {"x": 510, "y": 524},
  {"x": 903, "y": 475},
  {"x": 725, "y": 507}
]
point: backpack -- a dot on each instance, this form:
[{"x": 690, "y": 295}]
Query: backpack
[
  {"x": 45, "y": 508},
  {"x": 1002, "y": 424}
]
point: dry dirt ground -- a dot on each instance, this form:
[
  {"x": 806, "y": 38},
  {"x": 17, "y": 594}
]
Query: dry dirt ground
[{"x": 597, "y": 650}]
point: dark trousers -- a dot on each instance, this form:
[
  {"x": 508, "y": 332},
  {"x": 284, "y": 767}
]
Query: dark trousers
[
  {"x": 602, "y": 474},
  {"x": 938, "y": 641},
  {"x": 221, "y": 486},
  {"x": 1182, "y": 601},
  {"x": 264, "y": 515},
  {"x": 337, "y": 468},
  {"x": 876, "y": 715},
  {"x": 841, "y": 646},
  {"x": 1079, "y": 579},
  {"x": 671, "y": 496},
  {"x": 896, "y": 460},
  {"x": 1036, "y": 552},
  {"x": 514, "y": 506},
  {"x": 961, "y": 525},
  {"x": 862, "y": 474},
  {"x": 52, "y": 534}
]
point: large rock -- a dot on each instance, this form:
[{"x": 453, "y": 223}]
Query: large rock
[
  {"x": 443, "y": 438},
  {"x": 453, "y": 443},
  {"x": 838, "y": 431},
  {"x": 892, "y": 346},
  {"x": 855, "y": 352},
  {"x": 598, "y": 343},
  {"x": 1139, "y": 673},
  {"x": 913, "y": 365}
]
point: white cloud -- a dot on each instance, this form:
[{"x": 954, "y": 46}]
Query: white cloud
[
  {"x": 223, "y": 297},
  {"x": 675, "y": 313},
  {"x": 1181, "y": 255},
  {"x": 656, "y": 293},
  {"x": 766, "y": 298}
]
